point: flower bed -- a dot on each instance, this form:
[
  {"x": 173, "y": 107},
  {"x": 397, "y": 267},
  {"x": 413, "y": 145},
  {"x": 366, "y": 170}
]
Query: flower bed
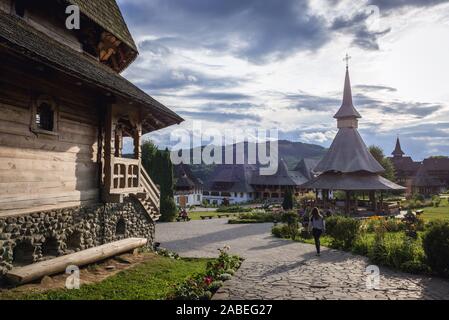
[
  {"x": 406, "y": 244},
  {"x": 202, "y": 286},
  {"x": 255, "y": 216}
]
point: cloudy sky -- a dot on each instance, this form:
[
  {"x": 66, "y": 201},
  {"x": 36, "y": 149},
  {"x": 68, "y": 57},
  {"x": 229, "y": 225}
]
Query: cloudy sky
[{"x": 279, "y": 64}]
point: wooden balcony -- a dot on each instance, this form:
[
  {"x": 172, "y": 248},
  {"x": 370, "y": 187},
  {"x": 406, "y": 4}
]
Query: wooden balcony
[{"x": 126, "y": 176}]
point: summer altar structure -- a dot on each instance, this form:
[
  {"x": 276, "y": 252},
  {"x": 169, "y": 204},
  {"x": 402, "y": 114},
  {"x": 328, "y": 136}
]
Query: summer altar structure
[
  {"x": 65, "y": 185},
  {"x": 348, "y": 165}
]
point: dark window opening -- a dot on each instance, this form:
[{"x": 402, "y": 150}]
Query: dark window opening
[
  {"x": 74, "y": 241},
  {"x": 120, "y": 228},
  {"x": 19, "y": 7},
  {"x": 50, "y": 247},
  {"x": 45, "y": 117},
  {"x": 23, "y": 253}
]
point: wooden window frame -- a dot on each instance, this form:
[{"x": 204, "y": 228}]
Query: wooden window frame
[{"x": 52, "y": 103}]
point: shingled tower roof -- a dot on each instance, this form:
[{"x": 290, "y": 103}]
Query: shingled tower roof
[
  {"x": 347, "y": 108},
  {"x": 107, "y": 14},
  {"x": 348, "y": 153},
  {"x": 398, "y": 150},
  {"x": 348, "y": 165}
]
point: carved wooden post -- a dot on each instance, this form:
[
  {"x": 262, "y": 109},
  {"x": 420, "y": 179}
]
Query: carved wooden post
[
  {"x": 108, "y": 153},
  {"x": 138, "y": 149}
]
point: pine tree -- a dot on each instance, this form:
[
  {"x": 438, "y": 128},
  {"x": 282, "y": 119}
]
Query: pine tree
[
  {"x": 160, "y": 168},
  {"x": 287, "y": 204}
]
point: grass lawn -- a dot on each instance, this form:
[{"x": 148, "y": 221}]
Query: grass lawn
[
  {"x": 151, "y": 280},
  {"x": 440, "y": 213}
]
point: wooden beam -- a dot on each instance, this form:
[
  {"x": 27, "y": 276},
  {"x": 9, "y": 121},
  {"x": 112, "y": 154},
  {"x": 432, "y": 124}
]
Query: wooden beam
[{"x": 39, "y": 270}]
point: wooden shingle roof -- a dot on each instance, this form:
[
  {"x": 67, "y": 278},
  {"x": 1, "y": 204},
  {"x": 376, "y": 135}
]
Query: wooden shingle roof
[
  {"x": 107, "y": 14},
  {"x": 20, "y": 37}
]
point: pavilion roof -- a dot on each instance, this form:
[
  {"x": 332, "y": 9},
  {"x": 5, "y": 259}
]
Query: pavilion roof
[
  {"x": 357, "y": 181},
  {"x": 348, "y": 153}
]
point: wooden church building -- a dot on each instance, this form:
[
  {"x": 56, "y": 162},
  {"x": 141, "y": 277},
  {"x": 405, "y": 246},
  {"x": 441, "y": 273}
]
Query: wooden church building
[
  {"x": 348, "y": 165},
  {"x": 64, "y": 112}
]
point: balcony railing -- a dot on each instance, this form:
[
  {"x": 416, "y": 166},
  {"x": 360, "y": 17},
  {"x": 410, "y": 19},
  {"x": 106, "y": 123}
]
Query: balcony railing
[{"x": 126, "y": 176}]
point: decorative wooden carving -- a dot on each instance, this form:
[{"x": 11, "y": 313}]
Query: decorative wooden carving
[{"x": 108, "y": 46}]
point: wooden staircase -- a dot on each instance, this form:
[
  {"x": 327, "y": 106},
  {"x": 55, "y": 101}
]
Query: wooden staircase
[{"x": 150, "y": 198}]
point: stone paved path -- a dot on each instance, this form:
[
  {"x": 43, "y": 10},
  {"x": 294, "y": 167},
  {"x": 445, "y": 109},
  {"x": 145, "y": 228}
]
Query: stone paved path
[{"x": 282, "y": 269}]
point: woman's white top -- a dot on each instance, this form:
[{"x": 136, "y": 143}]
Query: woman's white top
[{"x": 317, "y": 224}]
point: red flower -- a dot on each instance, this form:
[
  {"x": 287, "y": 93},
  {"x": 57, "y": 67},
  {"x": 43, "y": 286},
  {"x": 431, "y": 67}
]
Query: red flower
[{"x": 208, "y": 280}]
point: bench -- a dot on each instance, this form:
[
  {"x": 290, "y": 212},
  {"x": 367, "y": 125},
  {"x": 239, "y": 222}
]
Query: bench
[
  {"x": 227, "y": 215},
  {"x": 179, "y": 219},
  {"x": 206, "y": 217}
]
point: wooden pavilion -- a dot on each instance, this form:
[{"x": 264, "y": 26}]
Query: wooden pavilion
[{"x": 348, "y": 165}]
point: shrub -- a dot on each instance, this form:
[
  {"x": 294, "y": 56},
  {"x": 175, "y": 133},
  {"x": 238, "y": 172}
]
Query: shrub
[
  {"x": 215, "y": 285},
  {"x": 436, "y": 201},
  {"x": 400, "y": 252},
  {"x": 258, "y": 216},
  {"x": 394, "y": 225},
  {"x": 378, "y": 252},
  {"x": 419, "y": 197},
  {"x": 242, "y": 221},
  {"x": 362, "y": 244},
  {"x": 225, "y": 277},
  {"x": 412, "y": 224},
  {"x": 291, "y": 219},
  {"x": 281, "y": 231},
  {"x": 233, "y": 209},
  {"x": 436, "y": 247},
  {"x": 168, "y": 209},
  {"x": 343, "y": 230}
]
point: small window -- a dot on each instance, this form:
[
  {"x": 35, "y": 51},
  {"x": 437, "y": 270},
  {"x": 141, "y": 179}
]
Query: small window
[
  {"x": 120, "y": 228},
  {"x": 19, "y": 7},
  {"x": 45, "y": 116}
]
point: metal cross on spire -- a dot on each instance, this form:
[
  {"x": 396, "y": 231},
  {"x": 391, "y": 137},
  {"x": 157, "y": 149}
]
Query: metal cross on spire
[{"x": 347, "y": 58}]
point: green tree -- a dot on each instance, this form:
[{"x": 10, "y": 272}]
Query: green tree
[
  {"x": 379, "y": 155},
  {"x": 287, "y": 204},
  {"x": 160, "y": 168}
]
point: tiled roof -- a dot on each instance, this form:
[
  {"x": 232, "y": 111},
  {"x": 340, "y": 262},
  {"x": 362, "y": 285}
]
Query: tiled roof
[
  {"x": 283, "y": 177},
  {"x": 185, "y": 177},
  {"x": 106, "y": 13},
  {"x": 307, "y": 167}
]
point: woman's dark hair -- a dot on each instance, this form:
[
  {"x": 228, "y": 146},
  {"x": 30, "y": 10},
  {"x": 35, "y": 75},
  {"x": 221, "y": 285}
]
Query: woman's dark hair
[{"x": 315, "y": 213}]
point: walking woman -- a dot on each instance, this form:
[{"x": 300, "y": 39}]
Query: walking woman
[{"x": 317, "y": 225}]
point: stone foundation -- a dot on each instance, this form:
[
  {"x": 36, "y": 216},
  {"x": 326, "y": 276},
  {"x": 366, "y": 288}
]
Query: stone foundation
[{"x": 40, "y": 236}]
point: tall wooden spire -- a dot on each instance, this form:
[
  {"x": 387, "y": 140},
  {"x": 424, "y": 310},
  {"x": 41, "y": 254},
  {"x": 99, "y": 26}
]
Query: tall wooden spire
[
  {"x": 348, "y": 152},
  {"x": 347, "y": 115},
  {"x": 398, "y": 153}
]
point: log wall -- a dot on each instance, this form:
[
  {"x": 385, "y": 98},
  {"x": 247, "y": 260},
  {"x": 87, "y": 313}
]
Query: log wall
[{"x": 40, "y": 171}]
